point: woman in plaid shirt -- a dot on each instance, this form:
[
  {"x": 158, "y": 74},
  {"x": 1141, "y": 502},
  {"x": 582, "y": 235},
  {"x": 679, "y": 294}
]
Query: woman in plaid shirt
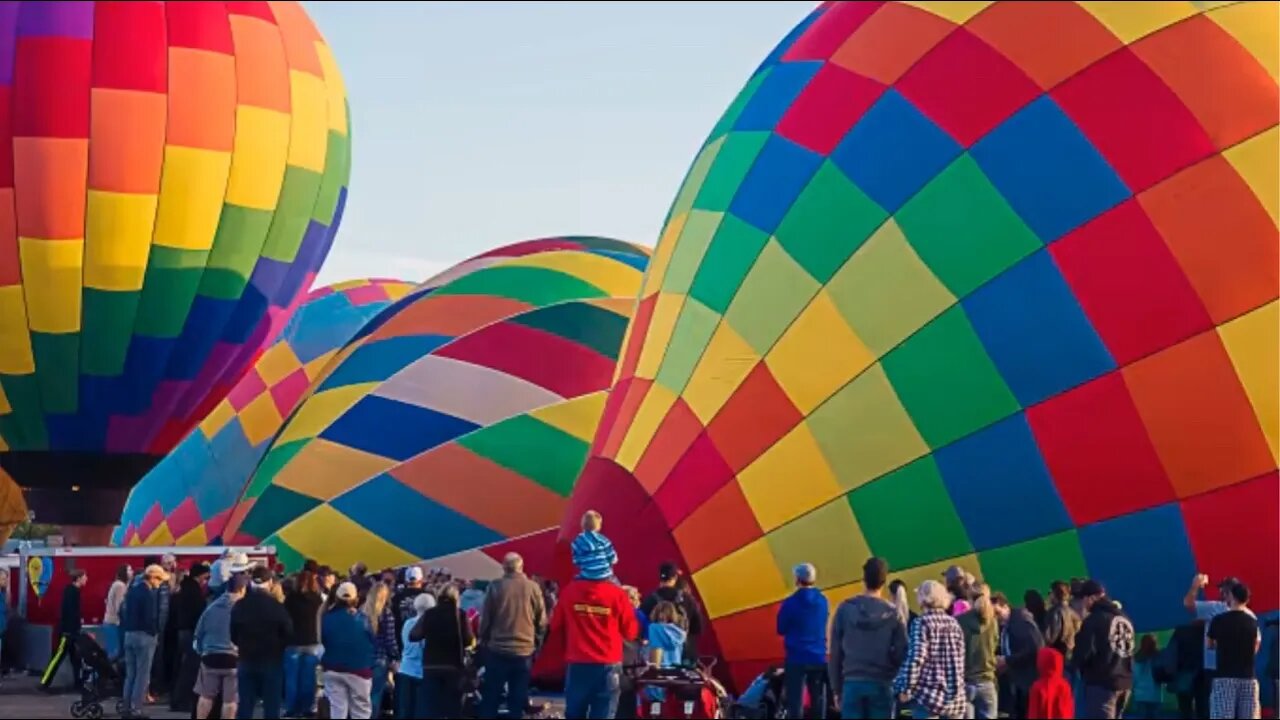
[{"x": 932, "y": 678}]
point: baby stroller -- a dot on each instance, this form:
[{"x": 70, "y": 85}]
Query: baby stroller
[
  {"x": 100, "y": 679},
  {"x": 764, "y": 697},
  {"x": 686, "y": 692}
]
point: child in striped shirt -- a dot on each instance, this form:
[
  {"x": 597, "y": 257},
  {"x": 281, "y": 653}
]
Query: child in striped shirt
[{"x": 593, "y": 553}]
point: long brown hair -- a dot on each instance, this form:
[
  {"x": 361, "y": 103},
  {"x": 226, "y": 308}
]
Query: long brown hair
[{"x": 308, "y": 582}]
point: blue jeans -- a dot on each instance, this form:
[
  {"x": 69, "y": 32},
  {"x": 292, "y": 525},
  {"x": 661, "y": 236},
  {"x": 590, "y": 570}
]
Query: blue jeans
[
  {"x": 797, "y": 678},
  {"x": 139, "y": 649},
  {"x": 379, "y": 687},
  {"x": 505, "y": 675},
  {"x": 591, "y": 690},
  {"x": 112, "y": 641},
  {"x": 409, "y": 702},
  {"x": 259, "y": 682},
  {"x": 865, "y": 699},
  {"x": 984, "y": 700},
  {"x": 300, "y": 663}
]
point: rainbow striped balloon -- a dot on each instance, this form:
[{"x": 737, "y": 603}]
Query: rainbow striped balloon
[{"x": 171, "y": 177}]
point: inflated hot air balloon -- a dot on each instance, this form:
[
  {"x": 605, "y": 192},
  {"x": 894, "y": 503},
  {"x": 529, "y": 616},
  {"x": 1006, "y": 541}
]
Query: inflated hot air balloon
[
  {"x": 187, "y": 498},
  {"x": 172, "y": 177},
  {"x": 13, "y": 508},
  {"x": 988, "y": 284},
  {"x": 455, "y": 424}
]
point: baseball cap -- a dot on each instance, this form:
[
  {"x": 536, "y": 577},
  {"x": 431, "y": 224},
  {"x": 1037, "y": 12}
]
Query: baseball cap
[
  {"x": 156, "y": 571},
  {"x": 347, "y": 591},
  {"x": 262, "y": 575},
  {"x": 668, "y": 571},
  {"x": 953, "y": 574},
  {"x": 413, "y": 574},
  {"x": 1091, "y": 587}
]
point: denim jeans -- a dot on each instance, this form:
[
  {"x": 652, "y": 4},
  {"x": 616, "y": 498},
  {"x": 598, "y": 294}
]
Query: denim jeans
[
  {"x": 862, "y": 699},
  {"x": 983, "y": 699},
  {"x": 300, "y": 663},
  {"x": 505, "y": 675},
  {"x": 409, "y": 697},
  {"x": 139, "y": 649},
  {"x": 591, "y": 690},
  {"x": 112, "y": 641},
  {"x": 797, "y": 677},
  {"x": 260, "y": 682},
  {"x": 379, "y": 686}
]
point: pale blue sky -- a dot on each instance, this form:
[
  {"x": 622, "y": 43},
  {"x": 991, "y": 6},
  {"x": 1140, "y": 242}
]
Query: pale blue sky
[{"x": 477, "y": 124}]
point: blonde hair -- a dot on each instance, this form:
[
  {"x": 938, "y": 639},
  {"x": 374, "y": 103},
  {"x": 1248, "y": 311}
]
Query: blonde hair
[
  {"x": 592, "y": 521},
  {"x": 375, "y": 604},
  {"x": 982, "y": 603}
]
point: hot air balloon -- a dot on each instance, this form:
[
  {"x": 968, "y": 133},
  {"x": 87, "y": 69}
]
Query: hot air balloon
[
  {"x": 187, "y": 498},
  {"x": 456, "y": 422},
  {"x": 173, "y": 175},
  {"x": 13, "y": 508},
  {"x": 974, "y": 283}
]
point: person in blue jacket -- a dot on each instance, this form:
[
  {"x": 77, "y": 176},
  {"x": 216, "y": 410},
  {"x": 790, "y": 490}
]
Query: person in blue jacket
[{"x": 802, "y": 623}]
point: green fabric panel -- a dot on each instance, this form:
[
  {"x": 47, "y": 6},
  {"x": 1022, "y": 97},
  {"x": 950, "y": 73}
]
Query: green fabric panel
[
  {"x": 947, "y": 382},
  {"x": 693, "y": 330},
  {"x": 694, "y": 179},
  {"x": 828, "y": 222},
  {"x": 337, "y": 168},
  {"x": 271, "y": 465},
  {"x": 24, "y": 428},
  {"x": 1033, "y": 564},
  {"x": 107, "y": 328},
  {"x": 57, "y": 371},
  {"x": 293, "y": 214},
  {"x": 725, "y": 264},
  {"x": 547, "y": 455},
  {"x": 236, "y": 247},
  {"x": 277, "y": 507},
  {"x": 734, "y": 160},
  {"x": 534, "y": 285},
  {"x": 773, "y": 294},
  {"x": 286, "y": 554},
  {"x": 735, "y": 110},
  {"x": 583, "y": 323},
  {"x": 907, "y": 517},
  {"x": 963, "y": 229},
  {"x": 170, "y": 285}
]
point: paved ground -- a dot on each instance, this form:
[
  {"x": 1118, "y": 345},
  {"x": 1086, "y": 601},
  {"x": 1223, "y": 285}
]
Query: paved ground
[{"x": 20, "y": 698}]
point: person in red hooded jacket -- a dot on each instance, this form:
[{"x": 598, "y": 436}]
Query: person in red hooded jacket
[{"x": 1051, "y": 695}]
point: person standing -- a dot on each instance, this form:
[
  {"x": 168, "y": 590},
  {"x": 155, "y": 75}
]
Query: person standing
[
  {"x": 409, "y": 702},
  {"x": 981, "y": 643},
  {"x": 932, "y": 677},
  {"x": 868, "y": 644},
  {"x": 671, "y": 588},
  {"x": 402, "y": 601},
  {"x": 69, "y": 624},
  {"x": 386, "y": 646},
  {"x": 1104, "y": 654},
  {"x": 4, "y": 615},
  {"x": 302, "y": 656},
  {"x": 511, "y": 625},
  {"x": 140, "y": 623},
  {"x": 216, "y": 677},
  {"x": 594, "y": 617},
  {"x": 189, "y": 605},
  {"x": 802, "y": 623},
  {"x": 261, "y": 629},
  {"x": 1051, "y": 696},
  {"x": 348, "y": 656},
  {"x": 1233, "y": 635},
  {"x": 1061, "y": 622},
  {"x": 447, "y": 636},
  {"x": 161, "y": 674},
  {"x": 1020, "y": 644},
  {"x": 1207, "y": 610},
  {"x": 111, "y": 613}
]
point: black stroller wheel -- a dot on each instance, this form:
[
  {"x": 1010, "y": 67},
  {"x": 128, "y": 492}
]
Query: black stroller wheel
[
  {"x": 77, "y": 709},
  {"x": 93, "y": 711},
  {"x": 120, "y": 707}
]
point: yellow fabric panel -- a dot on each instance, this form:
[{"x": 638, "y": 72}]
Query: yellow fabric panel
[
  {"x": 309, "y": 130},
  {"x": 218, "y": 419},
  {"x": 1132, "y": 20},
  {"x": 725, "y": 363},
  {"x": 160, "y": 537},
  {"x": 260, "y": 419},
  {"x": 5, "y": 407},
  {"x": 51, "y": 272},
  {"x": 788, "y": 480},
  {"x": 665, "y": 313},
  {"x": 1254, "y": 25},
  {"x": 258, "y": 160},
  {"x": 1253, "y": 342},
  {"x": 744, "y": 579},
  {"x": 1255, "y": 160},
  {"x": 322, "y": 409},
  {"x": 334, "y": 539},
  {"x": 957, "y": 11},
  {"x": 829, "y": 537},
  {"x": 118, "y": 239},
  {"x": 15, "y": 337},
  {"x": 913, "y": 577},
  {"x": 317, "y": 365},
  {"x": 578, "y": 417},
  {"x": 648, "y": 416},
  {"x": 193, "y": 186},
  {"x": 277, "y": 363},
  {"x": 886, "y": 438},
  {"x": 662, "y": 254},
  {"x": 323, "y": 470},
  {"x": 817, "y": 355},
  {"x": 335, "y": 89},
  {"x": 195, "y": 537},
  {"x": 611, "y": 276}
]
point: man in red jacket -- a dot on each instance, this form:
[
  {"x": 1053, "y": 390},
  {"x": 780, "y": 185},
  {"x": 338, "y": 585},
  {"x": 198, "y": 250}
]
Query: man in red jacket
[{"x": 595, "y": 616}]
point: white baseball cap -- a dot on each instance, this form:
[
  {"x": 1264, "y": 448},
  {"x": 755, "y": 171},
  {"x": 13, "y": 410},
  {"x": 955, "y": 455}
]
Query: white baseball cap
[
  {"x": 347, "y": 591},
  {"x": 413, "y": 574}
]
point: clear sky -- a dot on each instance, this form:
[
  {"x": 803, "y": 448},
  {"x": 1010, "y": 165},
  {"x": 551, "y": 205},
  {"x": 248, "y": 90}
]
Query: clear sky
[{"x": 477, "y": 124}]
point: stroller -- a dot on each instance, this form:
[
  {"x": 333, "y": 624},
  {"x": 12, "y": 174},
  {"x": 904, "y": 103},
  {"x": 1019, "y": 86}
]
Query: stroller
[
  {"x": 100, "y": 679},
  {"x": 764, "y": 698},
  {"x": 686, "y": 692}
]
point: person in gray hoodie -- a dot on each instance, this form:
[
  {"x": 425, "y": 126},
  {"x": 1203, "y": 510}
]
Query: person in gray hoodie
[
  {"x": 868, "y": 644},
  {"x": 218, "y": 655},
  {"x": 1020, "y": 643}
]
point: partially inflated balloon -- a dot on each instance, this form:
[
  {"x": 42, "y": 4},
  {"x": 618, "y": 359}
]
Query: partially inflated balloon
[
  {"x": 13, "y": 509},
  {"x": 991, "y": 284},
  {"x": 172, "y": 176},
  {"x": 458, "y": 419},
  {"x": 187, "y": 498}
]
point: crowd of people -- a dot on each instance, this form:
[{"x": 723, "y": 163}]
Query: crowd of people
[{"x": 234, "y": 638}]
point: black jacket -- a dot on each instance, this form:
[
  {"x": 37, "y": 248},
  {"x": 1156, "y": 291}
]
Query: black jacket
[
  {"x": 260, "y": 627},
  {"x": 188, "y": 605},
  {"x": 1021, "y": 643},
  {"x": 447, "y": 634},
  {"x": 1105, "y": 647},
  {"x": 69, "y": 621},
  {"x": 304, "y": 613},
  {"x": 680, "y": 599}
]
